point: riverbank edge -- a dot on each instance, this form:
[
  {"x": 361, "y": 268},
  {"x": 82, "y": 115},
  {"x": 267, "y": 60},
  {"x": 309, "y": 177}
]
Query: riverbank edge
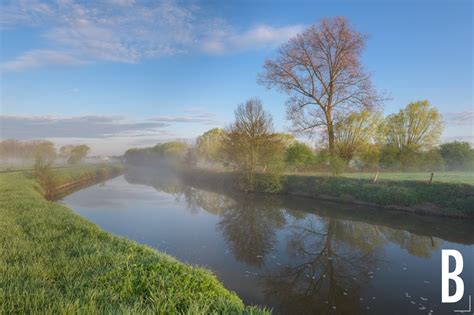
[
  {"x": 435, "y": 199},
  {"x": 136, "y": 278}
]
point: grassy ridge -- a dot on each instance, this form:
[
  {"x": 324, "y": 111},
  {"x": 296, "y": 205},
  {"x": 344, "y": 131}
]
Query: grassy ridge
[
  {"x": 54, "y": 261},
  {"x": 449, "y": 199}
]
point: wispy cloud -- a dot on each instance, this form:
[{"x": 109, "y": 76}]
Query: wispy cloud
[
  {"x": 38, "y": 58},
  {"x": 192, "y": 115},
  {"x": 261, "y": 36},
  {"x": 31, "y": 127},
  {"x": 461, "y": 118},
  {"x": 128, "y": 31}
]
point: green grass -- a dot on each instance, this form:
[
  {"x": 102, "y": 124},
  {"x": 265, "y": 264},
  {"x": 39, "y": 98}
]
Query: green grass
[
  {"x": 466, "y": 177},
  {"x": 437, "y": 198},
  {"x": 54, "y": 261},
  {"x": 440, "y": 177}
]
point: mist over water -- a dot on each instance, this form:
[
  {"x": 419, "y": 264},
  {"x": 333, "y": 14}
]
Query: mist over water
[{"x": 293, "y": 255}]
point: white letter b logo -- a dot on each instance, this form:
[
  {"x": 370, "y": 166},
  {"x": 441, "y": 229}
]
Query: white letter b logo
[{"x": 446, "y": 276}]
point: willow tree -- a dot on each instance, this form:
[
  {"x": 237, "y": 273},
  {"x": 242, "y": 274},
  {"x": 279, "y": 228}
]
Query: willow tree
[
  {"x": 320, "y": 69},
  {"x": 250, "y": 145},
  {"x": 355, "y": 132},
  {"x": 418, "y": 126}
]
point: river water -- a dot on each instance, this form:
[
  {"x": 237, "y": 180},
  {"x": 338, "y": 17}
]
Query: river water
[{"x": 294, "y": 255}]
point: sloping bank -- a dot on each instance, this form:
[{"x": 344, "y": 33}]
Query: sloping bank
[
  {"x": 54, "y": 261},
  {"x": 440, "y": 199}
]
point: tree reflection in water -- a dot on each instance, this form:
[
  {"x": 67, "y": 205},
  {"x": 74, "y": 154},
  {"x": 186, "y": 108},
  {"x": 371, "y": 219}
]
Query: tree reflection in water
[
  {"x": 330, "y": 260},
  {"x": 249, "y": 226}
]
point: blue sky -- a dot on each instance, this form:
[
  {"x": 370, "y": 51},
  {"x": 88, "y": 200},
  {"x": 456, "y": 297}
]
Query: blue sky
[{"x": 120, "y": 73}]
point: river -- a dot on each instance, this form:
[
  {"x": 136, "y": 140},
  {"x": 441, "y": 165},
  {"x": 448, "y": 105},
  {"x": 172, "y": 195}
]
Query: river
[{"x": 294, "y": 255}]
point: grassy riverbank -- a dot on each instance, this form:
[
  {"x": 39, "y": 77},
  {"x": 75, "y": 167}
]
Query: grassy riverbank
[
  {"x": 447, "y": 199},
  {"x": 54, "y": 261}
]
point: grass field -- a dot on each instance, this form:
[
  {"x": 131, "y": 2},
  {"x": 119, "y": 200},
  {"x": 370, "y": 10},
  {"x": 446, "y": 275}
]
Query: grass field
[
  {"x": 454, "y": 197},
  {"x": 53, "y": 261},
  {"x": 441, "y": 177}
]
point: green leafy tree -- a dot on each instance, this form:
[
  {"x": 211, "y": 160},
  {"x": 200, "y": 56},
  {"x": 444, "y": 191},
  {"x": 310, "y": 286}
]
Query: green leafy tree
[
  {"x": 354, "y": 132},
  {"x": 457, "y": 155},
  {"x": 209, "y": 145},
  {"x": 414, "y": 129},
  {"x": 298, "y": 156}
]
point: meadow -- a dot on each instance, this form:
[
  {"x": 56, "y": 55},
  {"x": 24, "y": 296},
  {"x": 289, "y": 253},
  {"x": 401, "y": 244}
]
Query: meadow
[
  {"x": 394, "y": 191},
  {"x": 466, "y": 177},
  {"x": 54, "y": 261}
]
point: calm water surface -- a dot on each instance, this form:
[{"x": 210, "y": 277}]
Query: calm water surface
[{"x": 295, "y": 255}]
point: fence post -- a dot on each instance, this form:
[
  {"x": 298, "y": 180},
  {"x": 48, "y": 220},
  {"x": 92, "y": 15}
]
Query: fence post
[
  {"x": 376, "y": 177},
  {"x": 431, "y": 178}
]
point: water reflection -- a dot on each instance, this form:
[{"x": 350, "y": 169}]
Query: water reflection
[
  {"x": 249, "y": 227},
  {"x": 295, "y": 255},
  {"x": 328, "y": 270}
]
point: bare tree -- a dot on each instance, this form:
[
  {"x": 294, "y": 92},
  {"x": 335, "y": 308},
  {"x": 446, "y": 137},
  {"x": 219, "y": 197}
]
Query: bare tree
[{"x": 320, "y": 69}]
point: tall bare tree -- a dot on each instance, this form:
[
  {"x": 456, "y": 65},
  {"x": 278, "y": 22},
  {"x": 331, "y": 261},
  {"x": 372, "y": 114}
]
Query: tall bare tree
[{"x": 321, "y": 71}]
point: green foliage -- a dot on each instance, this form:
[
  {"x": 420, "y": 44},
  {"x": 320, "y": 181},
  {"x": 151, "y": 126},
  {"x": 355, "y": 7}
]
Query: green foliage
[
  {"x": 209, "y": 145},
  {"x": 169, "y": 153},
  {"x": 338, "y": 165},
  {"x": 457, "y": 155},
  {"x": 412, "y": 131},
  {"x": 355, "y": 131},
  {"x": 53, "y": 261},
  {"x": 298, "y": 156}
]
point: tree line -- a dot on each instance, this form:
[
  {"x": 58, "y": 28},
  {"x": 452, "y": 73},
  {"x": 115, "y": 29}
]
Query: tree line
[{"x": 44, "y": 150}]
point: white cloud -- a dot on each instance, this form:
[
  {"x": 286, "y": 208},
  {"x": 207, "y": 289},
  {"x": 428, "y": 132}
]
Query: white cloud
[
  {"x": 128, "y": 31},
  {"x": 38, "y": 58},
  {"x": 261, "y": 36},
  {"x": 461, "y": 118}
]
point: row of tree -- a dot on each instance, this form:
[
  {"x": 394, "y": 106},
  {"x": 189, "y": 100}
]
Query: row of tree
[
  {"x": 406, "y": 140},
  {"x": 11, "y": 149}
]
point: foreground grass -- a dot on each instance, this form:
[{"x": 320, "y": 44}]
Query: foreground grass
[{"x": 54, "y": 261}]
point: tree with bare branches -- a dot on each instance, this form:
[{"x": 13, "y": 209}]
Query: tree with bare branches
[
  {"x": 250, "y": 145},
  {"x": 321, "y": 71}
]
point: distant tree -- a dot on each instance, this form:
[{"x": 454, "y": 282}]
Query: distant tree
[
  {"x": 209, "y": 145},
  {"x": 320, "y": 69},
  {"x": 355, "y": 132},
  {"x": 299, "y": 155},
  {"x": 457, "y": 155},
  {"x": 369, "y": 156},
  {"x": 27, "y": 150},
  {"x": 250, "y": 143},
  {"x": 172, "y": 151},
  {"x": 65, "y": 151},
  {"x": 78, "y": 153},
  {"x": 44, "y": 150}
]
